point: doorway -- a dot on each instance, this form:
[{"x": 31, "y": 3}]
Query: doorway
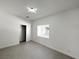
[{"x": 23, "y": 33}]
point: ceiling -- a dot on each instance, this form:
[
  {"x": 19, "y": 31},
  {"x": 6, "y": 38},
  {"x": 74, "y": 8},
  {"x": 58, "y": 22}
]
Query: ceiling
[{"x": 45, "y": 7}]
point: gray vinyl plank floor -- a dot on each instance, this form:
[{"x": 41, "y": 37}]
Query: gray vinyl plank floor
[{"x": 30, "y": 50}]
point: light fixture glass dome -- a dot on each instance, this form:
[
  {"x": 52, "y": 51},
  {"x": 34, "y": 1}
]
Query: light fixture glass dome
[{"x": 32, "y": 10}]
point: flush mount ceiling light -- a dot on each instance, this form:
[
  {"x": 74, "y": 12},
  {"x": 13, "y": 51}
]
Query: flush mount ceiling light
[{"x": 32, "y": 10}]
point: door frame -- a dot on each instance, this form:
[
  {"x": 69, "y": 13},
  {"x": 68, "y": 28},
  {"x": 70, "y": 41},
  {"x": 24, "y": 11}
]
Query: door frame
[{"x": 22, "y": 33}]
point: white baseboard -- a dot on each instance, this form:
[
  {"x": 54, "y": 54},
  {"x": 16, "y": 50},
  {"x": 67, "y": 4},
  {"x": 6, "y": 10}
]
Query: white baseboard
[
  {"x": 9, "y": 45},
  {"x": 55, "y": 49}
]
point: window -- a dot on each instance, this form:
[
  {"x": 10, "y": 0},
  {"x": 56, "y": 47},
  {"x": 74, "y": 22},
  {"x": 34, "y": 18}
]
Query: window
[{"x": 43, "y": 31}]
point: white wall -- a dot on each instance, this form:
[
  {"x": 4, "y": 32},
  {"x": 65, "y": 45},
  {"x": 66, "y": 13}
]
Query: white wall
[
  {"x": 64, "y": 32},
  {"x": 10, "y": 30}
]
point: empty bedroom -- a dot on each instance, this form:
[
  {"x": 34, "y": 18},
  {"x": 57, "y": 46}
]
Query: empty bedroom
[{"x": 39, "y": 29}]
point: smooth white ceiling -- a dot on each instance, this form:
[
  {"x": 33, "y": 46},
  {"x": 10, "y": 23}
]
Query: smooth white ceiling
[{"x": 45, "y": 7}]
